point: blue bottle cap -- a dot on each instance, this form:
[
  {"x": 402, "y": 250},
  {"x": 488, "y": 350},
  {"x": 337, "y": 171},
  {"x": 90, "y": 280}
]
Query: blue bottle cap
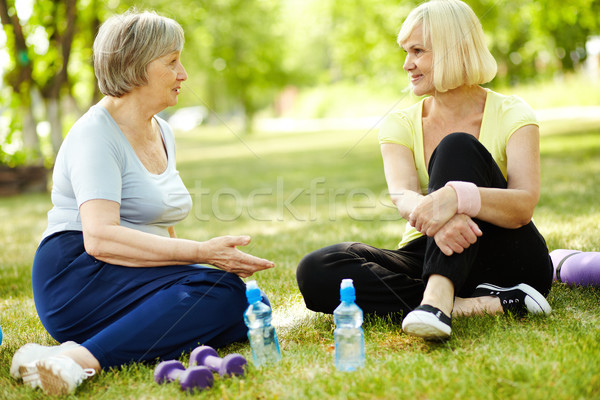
[
  {"x": 347, "y": 292},
  {"x": 253, "y": 292}
]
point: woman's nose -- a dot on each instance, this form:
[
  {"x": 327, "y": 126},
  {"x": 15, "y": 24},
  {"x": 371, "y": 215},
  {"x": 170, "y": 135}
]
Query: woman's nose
[
  {"x": 408, "y": 63},
  {"x": 182, "y": 74}
]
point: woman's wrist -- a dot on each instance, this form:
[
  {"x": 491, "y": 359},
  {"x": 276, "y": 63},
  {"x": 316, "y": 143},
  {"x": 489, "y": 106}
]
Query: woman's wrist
[{"x": 468, "y": 197}]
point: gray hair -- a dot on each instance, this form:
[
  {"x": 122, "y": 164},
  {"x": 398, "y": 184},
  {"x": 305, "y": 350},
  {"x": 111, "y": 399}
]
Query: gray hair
[{"x": 127, "y": 43}]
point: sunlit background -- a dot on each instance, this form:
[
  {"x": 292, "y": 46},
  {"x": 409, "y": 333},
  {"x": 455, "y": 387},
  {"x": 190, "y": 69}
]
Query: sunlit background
[{"x": 275, "y": 64}]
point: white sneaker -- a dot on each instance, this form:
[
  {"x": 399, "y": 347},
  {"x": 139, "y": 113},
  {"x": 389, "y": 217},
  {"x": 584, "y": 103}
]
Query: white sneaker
[
  {"x": 61, "y": 375},
  {"x": 24, "y": 360}
]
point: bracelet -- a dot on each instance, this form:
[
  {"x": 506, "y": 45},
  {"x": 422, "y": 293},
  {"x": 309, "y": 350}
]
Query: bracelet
[{"x": 469, "y": 199}]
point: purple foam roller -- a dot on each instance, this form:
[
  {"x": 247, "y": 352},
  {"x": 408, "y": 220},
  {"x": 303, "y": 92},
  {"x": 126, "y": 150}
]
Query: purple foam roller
[{"x": 576, "y": 267}]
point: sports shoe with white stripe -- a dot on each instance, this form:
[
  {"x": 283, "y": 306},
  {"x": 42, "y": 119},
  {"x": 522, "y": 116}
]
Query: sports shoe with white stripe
[
  {"x": 24, "y": 360},
  {"x": 516, "y": 299},
  {"x": 61, "y": 375},
  {"x": 427, "y": 322}
]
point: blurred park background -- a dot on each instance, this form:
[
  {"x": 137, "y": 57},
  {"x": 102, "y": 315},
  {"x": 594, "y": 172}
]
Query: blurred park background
[{"x": 275, "y": 64}]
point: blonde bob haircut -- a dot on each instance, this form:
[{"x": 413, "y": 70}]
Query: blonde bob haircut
[
  {"x": 127, "y": 43},
  {"x": 455, "y": 36}
]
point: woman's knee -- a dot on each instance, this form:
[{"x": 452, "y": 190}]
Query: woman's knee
[
  {"x": 460, "y": 156},
  {"x": 318, "y": 278},
  {"x": 457, "y": 143},
  {"x": 314, "y": 264},
  {"x": 309, "y": 267}
]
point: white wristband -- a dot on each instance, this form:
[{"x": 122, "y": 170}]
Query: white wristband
[{"x": 469, "y": 199}]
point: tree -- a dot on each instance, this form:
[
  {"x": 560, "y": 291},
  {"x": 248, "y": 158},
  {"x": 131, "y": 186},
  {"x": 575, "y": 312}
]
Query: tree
[
  {"x": 43, "y": 48},
  {"x": 20, "y": 78},
  {"x": 244, "y": 52},
  {"x": 53, "y": 76},
  {"x": 363, "y": 38}
]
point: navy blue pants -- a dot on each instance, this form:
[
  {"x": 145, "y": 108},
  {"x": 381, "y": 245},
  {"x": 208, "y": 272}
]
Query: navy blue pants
[
  {"x": 124, "y": 314},
  {"x": 393, "y": 281}
]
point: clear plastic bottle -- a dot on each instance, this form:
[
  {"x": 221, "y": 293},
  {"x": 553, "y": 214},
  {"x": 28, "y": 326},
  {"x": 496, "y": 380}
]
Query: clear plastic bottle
[
  {"x": 261, "y": 334},
  {"x": 348, "y": 334}
]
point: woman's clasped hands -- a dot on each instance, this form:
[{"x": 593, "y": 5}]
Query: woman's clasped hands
[{"x": 436, "y": 216}]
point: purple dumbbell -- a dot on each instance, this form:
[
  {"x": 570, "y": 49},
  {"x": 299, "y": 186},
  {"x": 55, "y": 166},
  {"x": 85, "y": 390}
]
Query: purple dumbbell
[
  {"x": 189, "y": 379},
  {"x": 232, "y": 364}
]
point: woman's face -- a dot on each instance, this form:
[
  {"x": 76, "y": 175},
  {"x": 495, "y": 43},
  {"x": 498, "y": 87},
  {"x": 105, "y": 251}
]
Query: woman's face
[
  {"x": 165, "y": 75},
  {"x": 419, "y": 63}
]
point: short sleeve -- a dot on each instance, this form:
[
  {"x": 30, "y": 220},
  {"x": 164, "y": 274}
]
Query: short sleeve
[
  {"x": 517, "y": 114},
  {"x": 94, "y": 164},
  {"x": 397, "y": 128}
]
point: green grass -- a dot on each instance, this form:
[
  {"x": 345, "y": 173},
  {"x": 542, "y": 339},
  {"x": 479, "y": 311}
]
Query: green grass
[{"x": 293, "y": 193}]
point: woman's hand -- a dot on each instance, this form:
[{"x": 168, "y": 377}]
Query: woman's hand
[
  {"x": 434, "y": 211},
  {"x": 222, "y": 253},
  {"x": 457, "y": 234}
]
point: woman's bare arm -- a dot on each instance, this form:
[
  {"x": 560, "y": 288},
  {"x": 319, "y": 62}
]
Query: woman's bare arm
[{"x": 108, "y": 241}]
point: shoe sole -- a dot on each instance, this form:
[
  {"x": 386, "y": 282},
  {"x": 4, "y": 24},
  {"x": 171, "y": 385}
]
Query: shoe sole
[
  {"x": 425, "y": 325},
  {"x": 51, "y": 383},
  {"x": 23, "y": 357},
  {"x": 30, "y": 375},
  {"x": 535, "y": 302}
]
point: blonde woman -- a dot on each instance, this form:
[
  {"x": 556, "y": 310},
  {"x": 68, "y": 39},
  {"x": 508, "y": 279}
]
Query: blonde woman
[
  {"x": 111, "y": 281},
  {"x": 462, "y": 167}
]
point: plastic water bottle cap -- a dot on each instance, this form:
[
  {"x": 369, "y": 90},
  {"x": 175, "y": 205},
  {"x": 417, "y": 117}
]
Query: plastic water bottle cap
[
  {"x": 347, "y": 292},
  {"x": 252, "y": 292}
]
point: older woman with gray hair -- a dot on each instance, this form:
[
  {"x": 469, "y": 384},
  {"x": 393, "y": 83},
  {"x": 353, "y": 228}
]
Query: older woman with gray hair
[{"x": 111, "y": 281}]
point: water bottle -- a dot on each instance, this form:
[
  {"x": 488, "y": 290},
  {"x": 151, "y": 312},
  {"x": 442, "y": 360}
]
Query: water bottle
[
  {"x": 348, "y": 334},
  {"x": 262, "y": 336}
]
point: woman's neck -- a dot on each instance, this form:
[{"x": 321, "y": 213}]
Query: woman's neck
[
  {"x": 456, "y": 103},
  {"x": 131, "y": 114}
]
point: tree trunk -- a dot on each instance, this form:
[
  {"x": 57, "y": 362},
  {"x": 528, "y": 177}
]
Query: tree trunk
[
  {"x": 249, "y": 110},
  {"x": 54, "y": 117},
  {"x": 21, "y": 80},
  {"x": 31, "y": 141},
  {"x": 52, "y": 92}
]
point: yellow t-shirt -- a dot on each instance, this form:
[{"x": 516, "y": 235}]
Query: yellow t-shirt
[{"x": 502, "y": 116}]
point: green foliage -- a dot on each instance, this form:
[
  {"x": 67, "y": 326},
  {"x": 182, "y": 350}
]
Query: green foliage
[
  {"x": 240, "y": 54},
  {"x": 235, "y": 52},
  {"x": 533, "y": 40},
  {"x": 50, "y": 54}
]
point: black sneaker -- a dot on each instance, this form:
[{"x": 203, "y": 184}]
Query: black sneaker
[
  {"x": 517, "y": 299},
  {"x": 427, "y": 322}
]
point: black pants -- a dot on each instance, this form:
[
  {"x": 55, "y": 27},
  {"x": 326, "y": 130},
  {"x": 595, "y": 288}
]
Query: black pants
[{"x": 391, "y": 281}]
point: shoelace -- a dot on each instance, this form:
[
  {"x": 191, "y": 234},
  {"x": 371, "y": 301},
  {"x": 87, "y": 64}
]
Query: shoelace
[{"x": 89, "y": 372}]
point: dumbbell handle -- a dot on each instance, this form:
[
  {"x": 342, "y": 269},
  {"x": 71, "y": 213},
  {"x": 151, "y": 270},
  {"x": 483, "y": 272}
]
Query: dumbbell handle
[
  {"x": 232, "y": 364},
  {"x": 174, "y": 374},
  {"x": 197, "y": 377},
  {"x": 213, "y": 362}
]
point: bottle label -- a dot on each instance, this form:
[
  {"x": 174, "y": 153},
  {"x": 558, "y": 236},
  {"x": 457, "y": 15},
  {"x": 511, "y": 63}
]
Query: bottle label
[
  {"x": 264, "y": 344},
  {"x": 349, "y": 349}
]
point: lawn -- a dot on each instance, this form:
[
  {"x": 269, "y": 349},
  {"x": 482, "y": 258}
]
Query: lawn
[{"x": 297, "y": 192}]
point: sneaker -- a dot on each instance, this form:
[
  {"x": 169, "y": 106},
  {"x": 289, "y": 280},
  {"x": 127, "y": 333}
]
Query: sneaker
[
  {"x": 23, "y": 362},
  {"x": 518, "y": 299},
  {"x": 427, "y": 322},
  {"x": 61, "y": 375}
]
